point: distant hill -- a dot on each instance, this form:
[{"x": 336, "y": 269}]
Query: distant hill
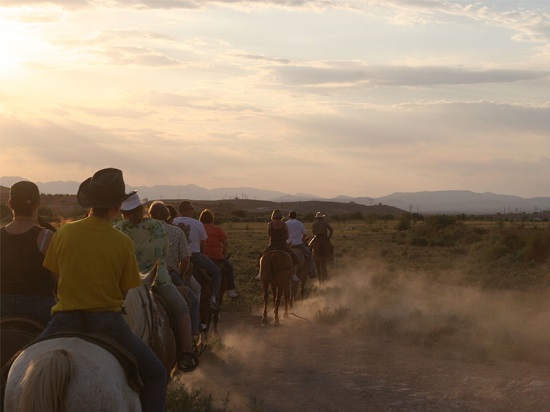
[
  {"x": 67, "y": 206},
  {"x": 463, "y": 201},
  {"x": 434, "y": 202}
]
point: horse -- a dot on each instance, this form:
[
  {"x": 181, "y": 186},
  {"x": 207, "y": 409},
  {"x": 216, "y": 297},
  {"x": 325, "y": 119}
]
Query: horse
[
  {"x": 321, "y": 249},
  {"x": 302, "y": 273},
  {"x": 72, "y": 373},
  {"x": 209, "y": 316},
  {"x": 68, "y": 374},
  {"x": 154, "y": 325},
  {"x": 276, "y": 268}
]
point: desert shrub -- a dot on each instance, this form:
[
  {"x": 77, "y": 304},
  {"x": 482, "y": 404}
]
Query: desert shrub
[
  {"x": 516, "y": 244},
  {"x": 45, "y": 211},
  {"x": 238, "y": 213},
  {"x": 440, "y": 221},
  {"x": 537, "y": 246},
  {"x": 328, "y": 316},
  {"x": 404, "y": 222},
  {"x": 181, "y": 399},
  {"x": 440, "y": 230}
]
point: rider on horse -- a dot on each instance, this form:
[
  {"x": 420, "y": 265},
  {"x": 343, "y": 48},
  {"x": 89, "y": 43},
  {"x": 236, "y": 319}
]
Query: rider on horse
[
  {"x": 278, "y": 237},
  {"x": 95, "y": 266},
  {"x": 321, "y": 228},
  {"x": 296, "y": 235},
  {"x": 27, "y": 288}
]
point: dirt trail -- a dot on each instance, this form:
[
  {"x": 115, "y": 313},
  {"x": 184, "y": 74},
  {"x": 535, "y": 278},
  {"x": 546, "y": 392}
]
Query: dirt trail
[{"x": 302, "y": 365}]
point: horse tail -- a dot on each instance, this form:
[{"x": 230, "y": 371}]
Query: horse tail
[{"x": 44, "y": 383}]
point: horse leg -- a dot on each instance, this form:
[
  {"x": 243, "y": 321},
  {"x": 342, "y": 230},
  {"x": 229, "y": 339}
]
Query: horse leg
[
  {"x": 293, "y": 293},
  {"x": 287, "y": 299},
  {"x": 277, "y": 301},
  {"x": 266, "y": 300}
]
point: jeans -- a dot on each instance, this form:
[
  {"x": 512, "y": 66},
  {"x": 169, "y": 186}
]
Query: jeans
[
  {"x": 112, "y": 324},
  {"x": 212, "y": 270},
  {"x": 195, "y": 301},
  {"x": 34, "y": 306}
]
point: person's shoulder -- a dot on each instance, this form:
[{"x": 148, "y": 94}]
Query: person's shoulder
[{"x": 175, "y": 230}]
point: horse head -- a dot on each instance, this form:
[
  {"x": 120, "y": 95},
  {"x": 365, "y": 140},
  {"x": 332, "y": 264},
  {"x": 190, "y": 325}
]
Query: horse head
[{"x": 140, "y": 307}]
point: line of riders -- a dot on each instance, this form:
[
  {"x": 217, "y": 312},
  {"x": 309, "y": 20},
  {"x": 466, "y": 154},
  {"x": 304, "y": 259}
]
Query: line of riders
[{"x": 90, "y": 264}]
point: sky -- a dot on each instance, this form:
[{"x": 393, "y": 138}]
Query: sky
[{"x": 353, "y": 98}]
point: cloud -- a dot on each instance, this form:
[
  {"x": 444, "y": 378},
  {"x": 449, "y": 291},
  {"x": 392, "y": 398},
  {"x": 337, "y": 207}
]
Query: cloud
[
  {"x": 263, "y": 58},
  {"x": 399, "y": 75},
  {"x": 202, "y": 103},
  {"x": 140, "y": 56},
  {"x": 127, "y": 113}
]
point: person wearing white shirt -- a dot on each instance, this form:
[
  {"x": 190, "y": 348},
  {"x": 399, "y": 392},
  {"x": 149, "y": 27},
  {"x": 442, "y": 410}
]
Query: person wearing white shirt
[
  {"x": 296, "y": 235},
  {"x": 197, "y": 238}
]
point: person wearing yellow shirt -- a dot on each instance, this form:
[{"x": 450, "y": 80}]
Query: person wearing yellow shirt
[{"x": 94, "y": 266}]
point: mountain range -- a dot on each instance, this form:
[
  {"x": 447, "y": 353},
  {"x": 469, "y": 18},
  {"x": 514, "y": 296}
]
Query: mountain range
[{"x": 449, "y": 201}]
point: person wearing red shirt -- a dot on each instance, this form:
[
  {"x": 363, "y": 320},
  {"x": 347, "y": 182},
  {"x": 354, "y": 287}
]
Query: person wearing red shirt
[{"x": 216, "y": 248}]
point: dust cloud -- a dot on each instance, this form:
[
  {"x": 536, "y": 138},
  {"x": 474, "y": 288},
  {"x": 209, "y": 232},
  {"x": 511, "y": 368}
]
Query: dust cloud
[
  {"x": 463, "y": 321},
  {"x": 447, "y": 321}
]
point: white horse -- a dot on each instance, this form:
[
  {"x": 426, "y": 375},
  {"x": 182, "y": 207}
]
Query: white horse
[
  {"x": 68, "y": 374},
  {"x": 72, "y": 374}
]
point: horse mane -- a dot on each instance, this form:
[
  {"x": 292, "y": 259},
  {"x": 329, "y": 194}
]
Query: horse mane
[{"x": 45, "y": 382}]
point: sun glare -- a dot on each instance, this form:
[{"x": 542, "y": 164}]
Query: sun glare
[{"x": 18, "y": 45}]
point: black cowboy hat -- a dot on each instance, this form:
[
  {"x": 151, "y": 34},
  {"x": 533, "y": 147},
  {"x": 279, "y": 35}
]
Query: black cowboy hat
[{"x": 105, "y": 188}]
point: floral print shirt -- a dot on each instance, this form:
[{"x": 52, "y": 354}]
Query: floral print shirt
[
  {"x": 151, "y": 244},
  {"x": 178, "y": 248}
]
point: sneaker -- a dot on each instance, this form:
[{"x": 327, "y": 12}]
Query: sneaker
[
  {"x": 214, "y": 305},
  {"x": 232, "y": 293},
  {"x": 187, "y": 362},
  {"x": 203, "y": 326},
  {"x": 258, "y": 277},
  {"x": 295, "y": 278},
  {"x": 312, "y": 274}
]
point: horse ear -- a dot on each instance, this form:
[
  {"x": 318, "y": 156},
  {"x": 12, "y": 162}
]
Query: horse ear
[{"x": 152, "y": 275}]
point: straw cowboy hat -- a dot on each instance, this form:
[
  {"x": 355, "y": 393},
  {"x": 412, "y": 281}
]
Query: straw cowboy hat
[{"x": 319, "y": 215}]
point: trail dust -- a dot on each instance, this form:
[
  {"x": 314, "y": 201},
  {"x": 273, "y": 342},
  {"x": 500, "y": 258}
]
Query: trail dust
[{"x": 385, "y": 343}]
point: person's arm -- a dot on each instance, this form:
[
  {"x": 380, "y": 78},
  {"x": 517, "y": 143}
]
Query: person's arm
[
  {"x": 184, "y": 265},
  {"x": 330, "y": 231},
  {"x": 225, "y": 247}
]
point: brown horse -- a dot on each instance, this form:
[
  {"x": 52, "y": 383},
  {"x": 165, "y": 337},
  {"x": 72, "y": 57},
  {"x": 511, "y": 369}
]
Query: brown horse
[
  {"x": 276, "y": 268},
  {"x": 321, "y": 249}
]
